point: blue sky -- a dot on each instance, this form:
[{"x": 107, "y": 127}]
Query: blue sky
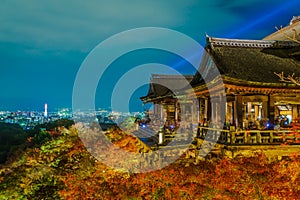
[{"x": 43, "y": 43}]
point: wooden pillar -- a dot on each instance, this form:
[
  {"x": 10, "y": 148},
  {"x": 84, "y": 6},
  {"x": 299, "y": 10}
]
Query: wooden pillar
[
  {"x": 189, "y": 108},
  {"x": 277, "y": 112},
  {"x": 265, "y": 109},
  {"x": 256, "y": 112},
  {"x": 213, "y": 111},
  {"x": 249, "y": 113},
  {"x": 246, "y": 111},
  {"x": 238, "y": 111},
  {"x": 207, "y": 109},
  {"x": 161, "y": 108},
  {"x": 223, "y": 109},
  {"x": 218, "y": 109},
  {"x": 294, "y": 112},
  {"x": 176, "y": 111},
  {"x": 230, "y": 112},
  {"x": 233, "y": 113},
  {"x": 164, "y": 112},
  {"x": 194, "y": 111},
  {"x": 217, "y": 112},
  {"x": 199, "y": 110},
  {"x": 271, "y": 108}
]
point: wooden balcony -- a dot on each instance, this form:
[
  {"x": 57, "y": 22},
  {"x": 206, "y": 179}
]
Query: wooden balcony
[{"x": 248, "y": 137}]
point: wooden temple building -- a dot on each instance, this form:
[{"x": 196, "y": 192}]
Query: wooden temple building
[
  {"x": 253, "y": 90},
  {"x": 246, "y": 91},
  {"x": 166, "y": 108}
]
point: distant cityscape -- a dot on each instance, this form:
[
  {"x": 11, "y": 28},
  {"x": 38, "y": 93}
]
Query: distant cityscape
[{"x": 29, "y": 119}]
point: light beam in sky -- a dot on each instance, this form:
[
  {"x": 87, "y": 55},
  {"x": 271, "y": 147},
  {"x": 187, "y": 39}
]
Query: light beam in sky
[
  {"x": 260, "y": 19},
  {"x": 263, "y": 18}
]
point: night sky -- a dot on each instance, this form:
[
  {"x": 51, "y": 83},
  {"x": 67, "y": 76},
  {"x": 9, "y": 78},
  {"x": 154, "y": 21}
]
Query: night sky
[{"x": 43, "y": 43}]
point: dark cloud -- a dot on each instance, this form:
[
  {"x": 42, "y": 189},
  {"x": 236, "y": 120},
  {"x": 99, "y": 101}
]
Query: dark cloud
[
  {"x": 245, "y": 8},
  {"x": 74, "y": 24}
]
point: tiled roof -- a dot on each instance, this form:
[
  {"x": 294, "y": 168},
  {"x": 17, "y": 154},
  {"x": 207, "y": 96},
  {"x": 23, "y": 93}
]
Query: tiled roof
[
  {"x": 252, "y": 60},
  {"x": 164, "y": 85}
]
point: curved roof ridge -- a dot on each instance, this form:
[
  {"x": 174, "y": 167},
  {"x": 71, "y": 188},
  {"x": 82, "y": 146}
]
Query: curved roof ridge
[{"x": 213, "y": 41}]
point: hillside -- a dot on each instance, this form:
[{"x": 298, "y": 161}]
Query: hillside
[
  {"x": 62, "y": 168},
  {"x": 11, "y": 137}
]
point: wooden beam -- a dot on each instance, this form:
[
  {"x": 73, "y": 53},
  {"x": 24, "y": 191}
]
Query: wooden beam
[{"x": 238, "y": 111}]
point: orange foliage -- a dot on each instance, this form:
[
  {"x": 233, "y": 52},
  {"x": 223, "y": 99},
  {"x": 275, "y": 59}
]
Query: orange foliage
[
  {"x": 242, "y": 178},
  {"x": 128, "y": 143},
  {"x": 80, "y": 176}
]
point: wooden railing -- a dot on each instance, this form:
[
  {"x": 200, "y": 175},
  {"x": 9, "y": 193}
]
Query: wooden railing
[{"x": 250, "y": 136}]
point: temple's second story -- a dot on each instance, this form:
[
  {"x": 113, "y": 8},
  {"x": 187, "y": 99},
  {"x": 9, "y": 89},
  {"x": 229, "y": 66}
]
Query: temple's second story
[
  {"x": 239, "y": 82},
  {"x": 250, "y": 80}
]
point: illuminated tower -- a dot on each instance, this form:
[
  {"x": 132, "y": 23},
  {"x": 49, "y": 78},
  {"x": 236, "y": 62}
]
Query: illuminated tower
[{"x": 46, "y": 110}]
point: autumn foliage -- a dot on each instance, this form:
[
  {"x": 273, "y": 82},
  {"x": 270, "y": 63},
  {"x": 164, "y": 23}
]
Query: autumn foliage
[{"x": 62, "y": 168}]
